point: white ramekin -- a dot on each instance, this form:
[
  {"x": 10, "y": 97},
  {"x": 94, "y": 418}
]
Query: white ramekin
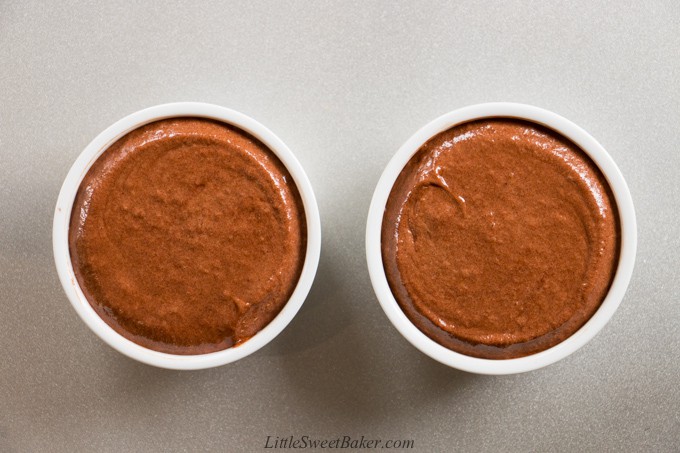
[
  {"x": 62, "y": 217},
  {"x": 624, "y": 270}
]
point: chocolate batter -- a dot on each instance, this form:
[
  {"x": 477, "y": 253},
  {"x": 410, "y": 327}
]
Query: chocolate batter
[
  {"x": 187, "y": 236},
  {"x": 500, "y": 238}
]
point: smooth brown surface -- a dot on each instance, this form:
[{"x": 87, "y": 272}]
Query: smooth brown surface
[
  {"x": 187, "y": 236},
  {"x": 500, "y": 238}
]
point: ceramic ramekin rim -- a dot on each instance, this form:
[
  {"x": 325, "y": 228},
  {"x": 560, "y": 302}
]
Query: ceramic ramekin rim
[
  {"x": 624, "y": 270},
  {"x": 62, "y": 217}
]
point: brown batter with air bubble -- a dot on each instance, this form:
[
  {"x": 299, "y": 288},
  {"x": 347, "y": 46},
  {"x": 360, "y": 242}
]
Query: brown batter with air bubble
[
  {"x": 500, "y": 238},
  {"x": 187, "y": 236}
]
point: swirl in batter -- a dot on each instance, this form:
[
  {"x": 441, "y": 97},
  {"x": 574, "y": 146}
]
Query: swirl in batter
[
  {"x": 500, "y": 238},
  {"x": 187, "y": 236}
]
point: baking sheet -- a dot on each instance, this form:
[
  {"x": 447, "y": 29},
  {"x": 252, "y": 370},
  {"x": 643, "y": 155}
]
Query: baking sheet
[{"x": 344, "y": 84}]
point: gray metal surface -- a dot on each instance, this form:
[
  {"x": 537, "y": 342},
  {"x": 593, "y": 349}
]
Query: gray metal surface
[{"x": 344, "y": 84}]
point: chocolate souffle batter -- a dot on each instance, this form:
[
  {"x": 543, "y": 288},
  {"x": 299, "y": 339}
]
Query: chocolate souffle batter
[
  {"x": 500, "y": 238},
  {"x": 187, "y": 236}
]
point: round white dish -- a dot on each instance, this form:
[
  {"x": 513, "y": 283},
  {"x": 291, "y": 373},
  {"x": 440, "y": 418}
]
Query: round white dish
[
  {"x": 62, "y": 218},
  {"x": 628, "y": 238}
]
